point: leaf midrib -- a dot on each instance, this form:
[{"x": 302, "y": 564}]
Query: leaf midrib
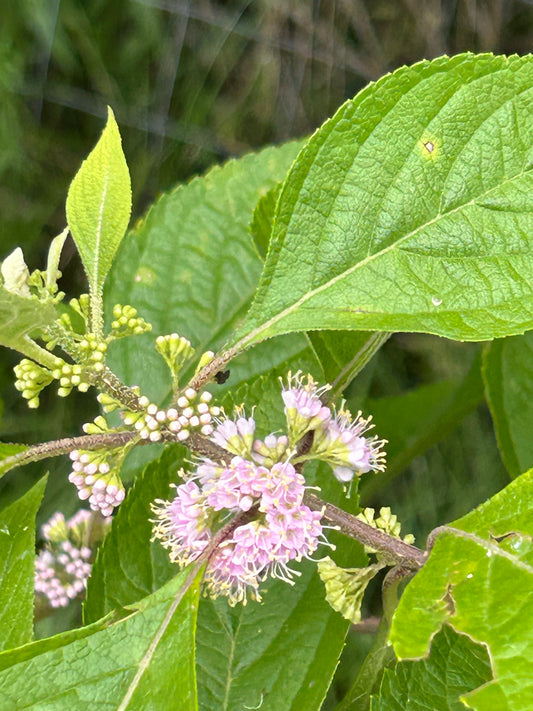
[{"x": 250, "y": 337}]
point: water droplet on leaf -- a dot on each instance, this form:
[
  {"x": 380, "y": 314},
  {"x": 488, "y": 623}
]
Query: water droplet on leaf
[{"x": 436, "y": 301}]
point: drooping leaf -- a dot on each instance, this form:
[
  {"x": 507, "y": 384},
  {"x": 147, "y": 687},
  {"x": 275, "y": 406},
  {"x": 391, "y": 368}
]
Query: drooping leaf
[
  {"x": 190, "y": 266},
  {"x": 128, "y": 567},
  {"x": 7, "y": 450},
  {"x": 99, "y": 204},
  {"x": 17, "y": 559},
  {"x": 19, "y": 316},
  {"x": 455, "y": 666},
  {"x": 508, "y": 375},
  {"x": 479, "y": 579},
  {"x": 144, "y": 661},
  {"x": 409, "y": 210}
]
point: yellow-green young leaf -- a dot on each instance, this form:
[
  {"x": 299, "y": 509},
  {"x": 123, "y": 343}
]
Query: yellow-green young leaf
[
  {"x": 345, "y": 587},
  {"x": 99, "y": 204},
  {"x": 54, "y": 255},
  {"x": 410, "y": 210}
]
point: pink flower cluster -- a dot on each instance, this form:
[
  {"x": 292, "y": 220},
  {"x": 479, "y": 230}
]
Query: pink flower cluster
[
  {"x": 63, "y": 567},
  {"x": 281, "y": 527}
]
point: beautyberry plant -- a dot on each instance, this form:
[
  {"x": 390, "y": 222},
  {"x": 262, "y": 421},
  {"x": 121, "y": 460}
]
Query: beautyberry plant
[{"x": 227, "y": 572}]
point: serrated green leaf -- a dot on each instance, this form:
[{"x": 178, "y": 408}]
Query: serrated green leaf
[
  {"x": 508, "y": 375},
  {"x": 128, "y": 566},
  {"x": 262, "y": 219},
  {"x": 144, "y": 661},
  {"x": 409, "y": 210},
  {"x": 482, "y": 588},
  {"x": 99, "y": 204},
  {"x": 190, "y": 267},
  {"x": 19, "y": 316},
  {"x": 455, "y": 666},
  {"x": 17, "y": 559}
]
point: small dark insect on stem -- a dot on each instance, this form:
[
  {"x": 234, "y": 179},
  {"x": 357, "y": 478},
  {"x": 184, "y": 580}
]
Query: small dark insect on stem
[{"x": 221, "y": 376}]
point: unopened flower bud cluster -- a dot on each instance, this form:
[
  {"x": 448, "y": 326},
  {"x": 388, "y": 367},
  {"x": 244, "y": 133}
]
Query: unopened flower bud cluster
[
  {"x": 63, "y": 567},
  {"x": 31, "y": 379},
  {"x": 96, "y": 476},
  {"x": 386, "y": 522},
  {"x": 127, "y": 322},
  {"x": 192, "y": 411}
]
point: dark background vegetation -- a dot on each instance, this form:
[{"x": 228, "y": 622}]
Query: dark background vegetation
[{"x": 193, "y": 83}]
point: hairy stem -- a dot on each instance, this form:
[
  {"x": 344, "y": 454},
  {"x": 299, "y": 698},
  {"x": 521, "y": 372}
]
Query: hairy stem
[
  {"x": 55, "y": 448},
  {"x": 32, "y": 350},
  {"x": 209, "y": 371},
  {"x": 403, "y": 553},
  {"x": 108, "y": 382}
]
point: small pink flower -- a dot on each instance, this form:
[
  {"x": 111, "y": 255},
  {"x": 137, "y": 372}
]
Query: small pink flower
[{"x": 304, "y": 409}]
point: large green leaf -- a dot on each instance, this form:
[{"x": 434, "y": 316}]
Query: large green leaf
[
  {"x": 508, "y": 374},
  {"x": 128, "y": 566},
  {"x": 17, "y": 558},
  {"x": 479, "y": 579},
  {"x": 280, "y": 654},
  {"x": 342, "y": 354},
  {"x": 455, "y": 666},
  {"x": 145, "y": 661},
  {"x": 99, "y": 205},
  {"x": 190, "y": 265},
  {"x": 409, "y": 210}
]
